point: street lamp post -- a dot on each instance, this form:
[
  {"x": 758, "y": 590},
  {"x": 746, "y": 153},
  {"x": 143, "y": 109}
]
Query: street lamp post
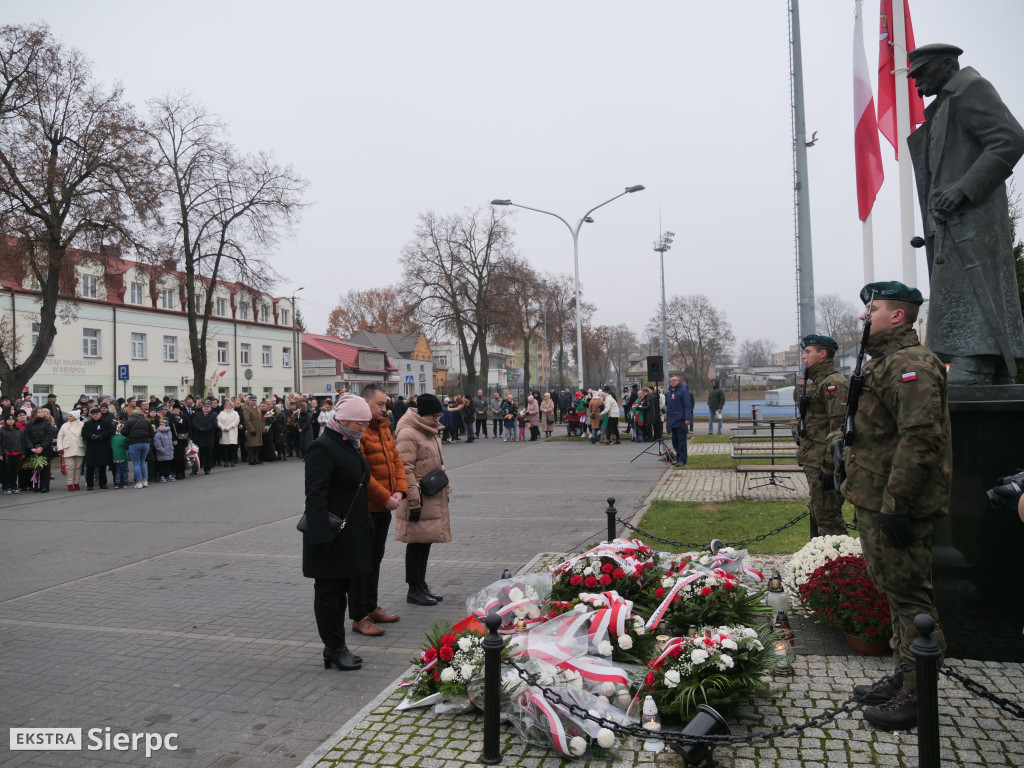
[
  {"x": 662, "y": 245},
  {"x": 575, "y": 232},
  {"x": 295, "y": 340}
]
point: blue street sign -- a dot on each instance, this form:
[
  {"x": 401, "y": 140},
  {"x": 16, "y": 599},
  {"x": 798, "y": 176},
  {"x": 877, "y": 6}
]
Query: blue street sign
[
  {"x": 408, "y": 380},
  {"x": 328, "y": 387},
  {"x": 122, "y": 373}
]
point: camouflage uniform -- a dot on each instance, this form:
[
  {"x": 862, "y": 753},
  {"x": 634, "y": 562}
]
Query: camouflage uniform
[
  {"x": 826, "y": 411},
  {"x": 900, "y": 464}
]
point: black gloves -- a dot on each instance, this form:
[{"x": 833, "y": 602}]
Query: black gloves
[
  {"x": 898, "y": 528},
  {"x": 414, "y": 515}
]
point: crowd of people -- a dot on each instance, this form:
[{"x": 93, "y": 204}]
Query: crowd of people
[{"x": 127, "y": 443}]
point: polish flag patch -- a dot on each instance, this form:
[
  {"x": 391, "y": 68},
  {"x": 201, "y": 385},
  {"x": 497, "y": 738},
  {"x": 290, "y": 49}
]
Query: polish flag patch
[
  {"x": 831, "y": 387},
  {"x": 910, "y": 376}
]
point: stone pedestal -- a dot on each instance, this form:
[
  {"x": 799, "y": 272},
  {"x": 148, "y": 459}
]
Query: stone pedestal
[{"x": 979, "y": 551}]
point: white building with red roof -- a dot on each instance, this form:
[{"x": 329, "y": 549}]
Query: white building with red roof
[{"x": 331, "y": 365}]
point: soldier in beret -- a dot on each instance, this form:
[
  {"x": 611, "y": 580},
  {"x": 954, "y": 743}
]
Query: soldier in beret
[
  {"x": 822, "y": 400},
  {"x": 962, "y": 155},
  {"x": 898, "y": 477}
]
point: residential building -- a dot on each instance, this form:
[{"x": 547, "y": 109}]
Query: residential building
[
  {"x": 331, "y": 365},
  {"x": 409, "y": 352},
  {"x": 126, "y": 317}
]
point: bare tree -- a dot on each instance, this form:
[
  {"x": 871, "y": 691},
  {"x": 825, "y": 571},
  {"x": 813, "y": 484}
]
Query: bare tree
[
  {"x": 383, "y": 310},
  {"x": 229, "y": 209},
  {"x": 620, "y": 344},
  {"x": 520, "y": 299},
  {"x": 75, "y": 165},
  {"x": 699, "y": 336},
  {"x": 755, "y": 353},
  {"x": 451, "y": 268},
  {"x": 838, "y": 319}
]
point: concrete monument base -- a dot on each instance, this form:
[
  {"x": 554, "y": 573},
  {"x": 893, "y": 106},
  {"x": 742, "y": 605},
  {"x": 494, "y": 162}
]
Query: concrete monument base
[{"x": 979, "y": 551}]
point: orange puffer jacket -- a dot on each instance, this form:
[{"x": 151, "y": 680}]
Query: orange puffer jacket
[{"x": 387, "y": 473}]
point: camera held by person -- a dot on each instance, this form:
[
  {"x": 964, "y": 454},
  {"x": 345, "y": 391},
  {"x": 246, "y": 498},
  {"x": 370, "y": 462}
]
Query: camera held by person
[{"x": 1007, "y": 492}]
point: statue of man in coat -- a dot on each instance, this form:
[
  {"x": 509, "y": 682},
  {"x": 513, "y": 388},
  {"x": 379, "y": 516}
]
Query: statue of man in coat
[{"x": 962, "y": 155}]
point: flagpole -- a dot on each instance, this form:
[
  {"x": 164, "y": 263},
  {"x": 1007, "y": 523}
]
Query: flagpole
[
  {"x": 868, "y": 235},
  {"x": 899, "y": 29}
]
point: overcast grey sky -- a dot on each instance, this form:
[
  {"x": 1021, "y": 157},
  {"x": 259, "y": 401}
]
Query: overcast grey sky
[{"x": 395, "y": 108}]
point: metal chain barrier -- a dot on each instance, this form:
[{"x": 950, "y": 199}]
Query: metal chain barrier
[
  {"x": 1010, "y": 707},
  {"x": 701, "y": 545},
  {"x": 786, "y": 731}
]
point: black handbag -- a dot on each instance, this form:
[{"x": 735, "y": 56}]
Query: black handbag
[{"x": 433, "y": 482}]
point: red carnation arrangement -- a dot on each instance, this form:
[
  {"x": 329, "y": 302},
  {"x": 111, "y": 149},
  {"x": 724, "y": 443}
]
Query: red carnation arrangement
[{"x": 840, "y": 594}]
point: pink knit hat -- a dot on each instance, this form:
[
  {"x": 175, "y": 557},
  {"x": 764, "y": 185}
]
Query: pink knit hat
[{"x": 352, "y": 408}]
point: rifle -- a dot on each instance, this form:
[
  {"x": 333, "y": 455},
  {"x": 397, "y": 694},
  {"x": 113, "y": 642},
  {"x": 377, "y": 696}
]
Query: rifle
[
  {"x": 801, "y": 429},
  {"x": 853, "y": 400}
]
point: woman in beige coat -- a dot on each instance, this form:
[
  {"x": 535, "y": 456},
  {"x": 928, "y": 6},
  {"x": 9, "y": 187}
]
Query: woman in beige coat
[
  {"x": 421, "y": 520},
  {"x": 71, "y": 447}
]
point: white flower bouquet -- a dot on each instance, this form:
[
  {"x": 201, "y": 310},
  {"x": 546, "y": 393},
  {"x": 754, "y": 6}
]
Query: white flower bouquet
[{"x": 815, "y": 554}]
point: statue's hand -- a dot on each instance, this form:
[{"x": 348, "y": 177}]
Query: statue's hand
[{"x": 944, "y": 203}]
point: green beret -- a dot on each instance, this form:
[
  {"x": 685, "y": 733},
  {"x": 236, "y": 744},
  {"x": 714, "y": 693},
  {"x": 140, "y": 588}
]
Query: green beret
[
  {"x": 893, "y": 290},
  {"x": 925, "y": 53},
  {"x": 814, "y": 340}
]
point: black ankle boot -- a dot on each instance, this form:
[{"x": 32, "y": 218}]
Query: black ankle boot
[
  {"x": 426, "y": 591},
  {"x": 418, "y": 597},
  {"x": 881, "y": 691},
  {"x": 897, "y": 714},
  {"x": 342, "y": 658}
]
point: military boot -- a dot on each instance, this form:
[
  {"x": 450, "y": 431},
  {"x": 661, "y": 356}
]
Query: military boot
[
  {"x": 900, "y": 713},
  {"x": 880, "y": 691}
]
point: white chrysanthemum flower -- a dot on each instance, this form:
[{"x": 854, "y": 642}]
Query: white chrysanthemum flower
[
  {"x": 698, "y": 656},
  {"x": 603, "y": 699},
  {"x": 466, "y": 670},
  {"x": 730, "y": 644},
  {"x": 533, "y": 612},
  {"x": 465, "y": 643},
  {"x": 641, "y": 629},
  {"x": 582, "y": 608},
  {"x": 588, "y": 571},
  {"x": 447, "y": 674},
  {"x": 671, "y": 678},
  {"x": 604, "y": 648},
  {"x": 608, "y": 688},
  {"x": 577, "y": 746},
  {"x": 625, "y": 642},
  {"x": 667, "y": 582},
  {"x": 622, "y": 698},
  {"x": 605, "y": 738},
  {"x": 515, "y": 594}
]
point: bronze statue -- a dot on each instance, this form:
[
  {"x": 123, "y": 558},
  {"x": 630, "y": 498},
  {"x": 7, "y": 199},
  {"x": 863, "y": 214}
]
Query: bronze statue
[{"x": 962, "y": 155}]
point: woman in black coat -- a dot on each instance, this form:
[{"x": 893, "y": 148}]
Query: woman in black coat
[
  {"x": 97, "y": 433},
  {"x": 336, "y": 480},
  {"x": 37, "y": 440}
]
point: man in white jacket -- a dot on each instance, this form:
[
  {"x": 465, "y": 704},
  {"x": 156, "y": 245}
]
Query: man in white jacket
[{"x": 611, "y": 410}]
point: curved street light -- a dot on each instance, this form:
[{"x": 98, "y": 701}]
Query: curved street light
[{"x": 575, "y": 232}]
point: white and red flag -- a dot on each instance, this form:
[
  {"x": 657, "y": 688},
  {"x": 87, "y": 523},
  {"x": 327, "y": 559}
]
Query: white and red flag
[
  {"x": 866, "y": 147},
  {"x": 887, "y": 75}
]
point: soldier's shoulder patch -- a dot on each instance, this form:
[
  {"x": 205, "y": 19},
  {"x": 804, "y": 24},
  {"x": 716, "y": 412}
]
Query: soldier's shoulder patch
[
  {"x": 831, "y": 387},
  {"x": 909, "y": 376}
]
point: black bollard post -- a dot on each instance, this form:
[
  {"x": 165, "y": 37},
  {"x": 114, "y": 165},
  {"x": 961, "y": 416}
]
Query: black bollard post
[
  {"x": 927, "y": 653},
  {"x": 492, "y": 645},
  {"x": 611, "y": 518}
]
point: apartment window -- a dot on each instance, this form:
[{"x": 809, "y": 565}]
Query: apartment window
[
  {"x": 243, "y": 311},
  {"x": 265, "y": 314},
  {"x": 284, "y": 317},
  {"x": 90, "y": 342},
  {"x": 267, "y": 352},
  {"x": 90, "y": 286},
  {"x": 167, "y": 298},
  {"x": 442, "y": 361},
  {"x": 35, "y": 338},
  {"x": 423, "y": 368},
  {"x": 268, "y": 391},
  {"x": 171, "y": 392},
  {"x": 222, "y": 353},
  {"x": 138, "y": 293},
  {"x": 93, "y": 391},
  {"x": 222, "y": 307},
  {"x": 222, "y": 393},
  {"x": 138, "y": 346},
  {"x": 246, "y": 390},
  {"x": 140, "y": 393},
  {"x": 171, "y": 349},
  {"x": 245, "y": 354},
  {"x": 408, "y": 366},
  {"x": 40, "y": 391},
  {"x": 286, "y": 357}
]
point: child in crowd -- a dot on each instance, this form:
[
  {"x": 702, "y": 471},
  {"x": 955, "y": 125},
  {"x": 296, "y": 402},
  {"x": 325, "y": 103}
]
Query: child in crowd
[
  {"x": 163, "y": 444},
  {"x": 119, "y": 449}
]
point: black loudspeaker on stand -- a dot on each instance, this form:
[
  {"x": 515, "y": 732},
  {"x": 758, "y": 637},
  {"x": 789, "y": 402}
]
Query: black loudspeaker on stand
[{"x": 655, "y": 368}]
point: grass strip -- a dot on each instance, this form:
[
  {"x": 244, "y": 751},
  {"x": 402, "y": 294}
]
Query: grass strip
[{"x": 730, "y": 521}]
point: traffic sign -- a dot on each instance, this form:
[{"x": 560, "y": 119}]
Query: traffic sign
[
  {"x": 248, "y": 374},
  {"x": 408, "y": 379},
  {"x": 328, "y": 387},
  {"x": 122, "y": 373}
]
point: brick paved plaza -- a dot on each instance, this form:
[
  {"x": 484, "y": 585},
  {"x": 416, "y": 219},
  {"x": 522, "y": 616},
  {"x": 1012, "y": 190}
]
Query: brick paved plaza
[{"x": 187, "y": 613}]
